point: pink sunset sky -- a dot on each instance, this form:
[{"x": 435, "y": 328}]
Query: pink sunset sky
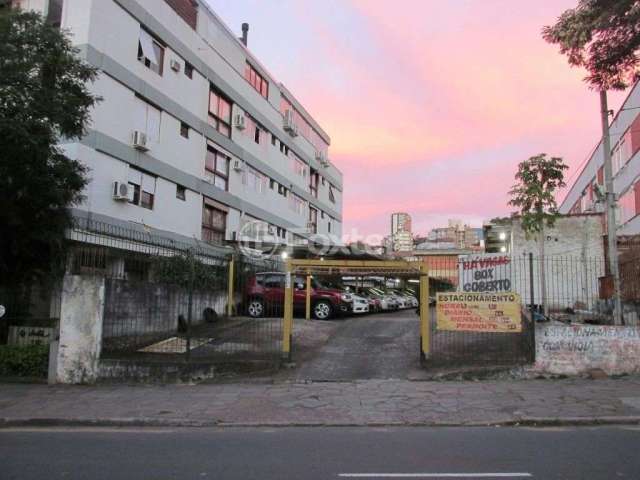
[{"x": 430, "y": 104}]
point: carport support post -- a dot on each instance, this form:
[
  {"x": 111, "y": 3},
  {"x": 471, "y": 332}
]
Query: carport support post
[
  {"x": 288, "y": 315},
  {"x": 424, "y": 312},
  {"x": 230, "y": 288},
  {"x": 308, "y": 300}
]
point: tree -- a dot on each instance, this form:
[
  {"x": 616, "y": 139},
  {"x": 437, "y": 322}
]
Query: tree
[
  {"x": 602, "y": 36},
  {"x": 44, "y": 96},
  {"x": 538, "y": 178}
]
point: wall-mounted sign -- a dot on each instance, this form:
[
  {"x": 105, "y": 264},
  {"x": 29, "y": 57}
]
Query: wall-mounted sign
[
  {"x": 486, "y": 272},
  {"x": 479, "y": 312}
]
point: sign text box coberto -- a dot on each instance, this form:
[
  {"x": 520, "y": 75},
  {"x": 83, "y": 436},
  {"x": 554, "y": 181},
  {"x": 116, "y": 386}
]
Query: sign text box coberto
[
  {"x": 485, "y": 272},
  {"x": 479, "y": 312}
]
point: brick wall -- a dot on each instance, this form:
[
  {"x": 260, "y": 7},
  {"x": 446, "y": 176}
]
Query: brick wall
[{"x": 187, "y": 9}]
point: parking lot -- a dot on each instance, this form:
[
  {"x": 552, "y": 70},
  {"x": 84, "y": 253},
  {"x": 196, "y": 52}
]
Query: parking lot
[{"x": 380, "y": 346}]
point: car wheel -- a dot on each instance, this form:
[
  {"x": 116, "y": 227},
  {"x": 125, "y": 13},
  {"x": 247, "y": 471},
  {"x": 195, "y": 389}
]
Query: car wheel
[
  {"x": 255, "y": 308},
  {"x": 322, "y": 310}
]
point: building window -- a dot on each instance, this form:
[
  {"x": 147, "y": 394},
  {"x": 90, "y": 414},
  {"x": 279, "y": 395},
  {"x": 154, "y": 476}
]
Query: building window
[
  {"x": 220, "y": 113},
  {"x": 216, "y": 166},
  {"x": 296, "y": 204},
  {"x": 314, "y": 179},
  {"x": 146, "y": 119},
  {"x": 273, "y": 140},
  {"x": 188, "y": 69},
  {"x": 272, "y": 184},
  {"x": 214, "y": 222},
  {"x": 298, "y": 166},
  {"x": 313, "y": 220},
  {"x": 256, "y": 80},
  {"x": 143, "y": 186},
  {"x": 628, "y": 204},
  {"x": 184, "y": 130},
  {"x": 256, "y": 134},
  {"x": 332, "y": 197},
  {"x": 187, "y": 10},
  {"x": 323, "y": 181},
  {"x": 54, "y": 15},
  {"x": 329, "y": 227},
  {"x": 255, "y": 180},
  {"x": 181, "y": 192},
  {"x": 282, "y": 190},
  {"x": 150, "y": 52}
]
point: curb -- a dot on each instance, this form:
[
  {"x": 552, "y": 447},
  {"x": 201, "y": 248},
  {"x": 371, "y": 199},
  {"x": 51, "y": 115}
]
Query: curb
[{"x": 6, "y": 423}]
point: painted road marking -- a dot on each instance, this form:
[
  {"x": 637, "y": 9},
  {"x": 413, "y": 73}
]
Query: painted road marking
[{"x": 435, "y": 475}]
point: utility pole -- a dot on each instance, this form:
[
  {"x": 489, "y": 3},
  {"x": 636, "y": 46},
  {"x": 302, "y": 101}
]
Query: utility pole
[{"x": 610, "y": 209}]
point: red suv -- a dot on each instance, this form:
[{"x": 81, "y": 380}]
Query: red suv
[{"x": 264, "y": 295}]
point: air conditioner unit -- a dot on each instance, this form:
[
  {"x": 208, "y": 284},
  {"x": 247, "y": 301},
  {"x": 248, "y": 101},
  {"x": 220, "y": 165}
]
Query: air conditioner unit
[
  {"x": 122, "y": 192},
  {"x": 271, "y": 230},
  {"x": 322, "y": 158},
  {"x": 289, "y": 124},
  {"x": 238, "y": 166},
  {"x": 139, "y": 140},
  {"x": 175, "y": 65},
  {"x": 311, "y": 226},
  {"x": 240, "y": 121}
]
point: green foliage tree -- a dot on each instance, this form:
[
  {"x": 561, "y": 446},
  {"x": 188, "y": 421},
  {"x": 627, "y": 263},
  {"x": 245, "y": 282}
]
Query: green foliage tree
[
  {"x": 537, "y": 180},
  {"x": 44, "y": 96},
  {"x": 602, "y": 36}
]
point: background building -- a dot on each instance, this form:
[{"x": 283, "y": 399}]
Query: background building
[
  {"x": 194, "y": 140},
  {"x": 454, "y": 235},
  {"x": 400, "y": 222},
  {"x": 586, "y": 193}
]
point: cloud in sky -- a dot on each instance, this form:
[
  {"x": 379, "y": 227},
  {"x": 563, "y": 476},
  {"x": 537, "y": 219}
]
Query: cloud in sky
[{"x": 430, "y": 105}]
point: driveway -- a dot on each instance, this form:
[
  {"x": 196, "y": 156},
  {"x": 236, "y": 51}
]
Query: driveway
[{"x": 381, "y": 346}]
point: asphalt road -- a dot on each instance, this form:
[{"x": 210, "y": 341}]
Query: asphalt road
[
  {"x": 601, "y": 453},
  {"x": 380, "y": 346}
]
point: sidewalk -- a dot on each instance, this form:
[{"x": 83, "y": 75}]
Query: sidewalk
[{"x": 574, "y": 401}]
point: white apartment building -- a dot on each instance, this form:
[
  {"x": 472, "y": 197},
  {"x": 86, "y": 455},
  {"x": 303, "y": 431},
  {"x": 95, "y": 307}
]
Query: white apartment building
[
  {"x": 194, "y": 138},
  {"x": 586, "y": 193}
]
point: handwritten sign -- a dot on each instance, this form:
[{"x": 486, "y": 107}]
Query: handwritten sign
[
  {"x": 479, "y": 312},
  {"x": 485, "y": 272}
]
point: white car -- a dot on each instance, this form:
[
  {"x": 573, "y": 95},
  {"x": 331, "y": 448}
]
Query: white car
[
  {"x": 360, "y": 304},
  {"x": 387, "y": 302}
]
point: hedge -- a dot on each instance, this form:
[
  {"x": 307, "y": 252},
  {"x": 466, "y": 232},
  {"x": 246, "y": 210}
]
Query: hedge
[{"x": 24, "y": 360}]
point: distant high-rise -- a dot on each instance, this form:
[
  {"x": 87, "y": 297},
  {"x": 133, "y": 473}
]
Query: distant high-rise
[{"x": 400, "y": 222}]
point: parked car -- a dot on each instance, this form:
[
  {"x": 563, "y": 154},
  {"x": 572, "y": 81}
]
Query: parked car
[
  {"x": 375, "y": 302},
  {"x": 360, "y": 304},
  {"x": 264, "y": 295},
  {"x": 412, "y": 297},
  {"x": 387, "y": 302}
]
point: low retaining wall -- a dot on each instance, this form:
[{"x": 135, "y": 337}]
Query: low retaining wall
[
  {"x": 576, "y": 349},
  {"x": 112, "y": 370}
]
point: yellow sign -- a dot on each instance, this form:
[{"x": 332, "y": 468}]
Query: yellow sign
[{"x": 479, "y": 312}]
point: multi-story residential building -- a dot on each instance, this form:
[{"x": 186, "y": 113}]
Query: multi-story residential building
[
  {"x": 400, "y": 222},
  {"x": 585, "y": 195},
  {"x": 457, "y": 234},
  {"x": 194, "y": 138}
]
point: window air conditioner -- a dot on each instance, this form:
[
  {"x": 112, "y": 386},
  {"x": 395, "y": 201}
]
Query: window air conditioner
[
  {"x": 122, "y": 192},
  {"x": 237, "y": 166},
  {"x": 310, "y": 226},
  {"x": 289, "y": 124},
  {"x": 139, "y": 140},
  {"x": 240, "y": 121},
  {"x": 175, "y": 65}
]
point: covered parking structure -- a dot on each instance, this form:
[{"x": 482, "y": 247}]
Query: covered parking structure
[{"x": 356, "y": 268}]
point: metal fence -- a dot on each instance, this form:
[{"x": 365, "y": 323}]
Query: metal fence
[
  {"x": 560, "y": 288},
  {"x": 166, "y": 300}
]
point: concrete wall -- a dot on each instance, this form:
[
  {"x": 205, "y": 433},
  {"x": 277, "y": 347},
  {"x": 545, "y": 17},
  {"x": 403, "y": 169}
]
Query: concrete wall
[
  {"x": 81, "y": 317},
  {"x": 574, "y": 260},
  {"x": 575, "y": 349},
  {"x": 139, "y": 313}
]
